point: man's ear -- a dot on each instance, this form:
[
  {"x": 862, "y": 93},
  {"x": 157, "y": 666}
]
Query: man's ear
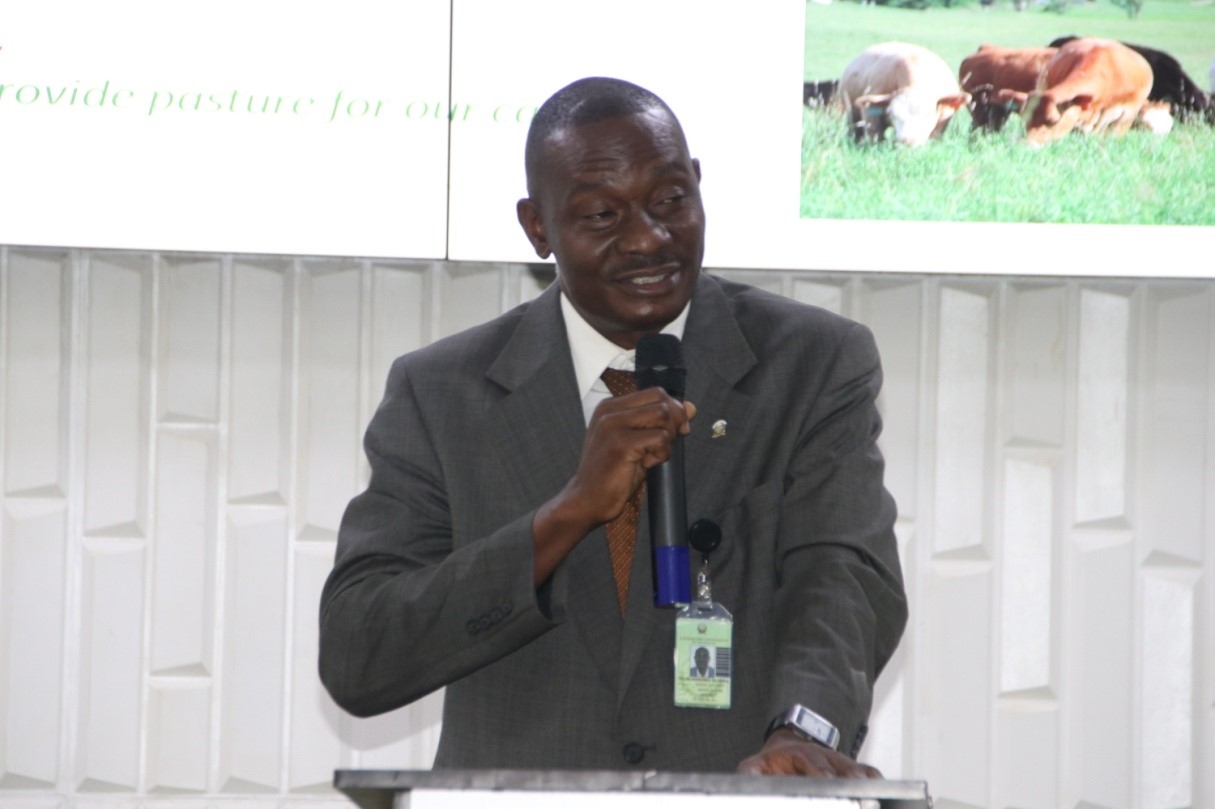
[{"x": 533, "y": 227}]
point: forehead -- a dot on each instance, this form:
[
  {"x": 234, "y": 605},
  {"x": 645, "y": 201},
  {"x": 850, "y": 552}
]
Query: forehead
[{"x": 615, "y": 150}]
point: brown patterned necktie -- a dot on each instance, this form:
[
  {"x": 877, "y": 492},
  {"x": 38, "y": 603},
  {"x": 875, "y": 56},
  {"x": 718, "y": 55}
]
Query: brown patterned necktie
[{"x": 622, "y": 531}]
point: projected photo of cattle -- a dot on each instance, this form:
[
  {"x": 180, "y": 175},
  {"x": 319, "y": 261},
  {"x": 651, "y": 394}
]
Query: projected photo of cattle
[{"x": 1034, "y": 111}]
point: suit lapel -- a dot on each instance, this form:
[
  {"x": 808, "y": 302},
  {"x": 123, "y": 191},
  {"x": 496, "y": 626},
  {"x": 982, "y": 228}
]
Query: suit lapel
[
  {"x": 537, "y": 431},
  {"x": 717, "y": 356}
]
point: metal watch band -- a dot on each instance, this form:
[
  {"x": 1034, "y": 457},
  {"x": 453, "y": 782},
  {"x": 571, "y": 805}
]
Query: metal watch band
[{"x": 807, "y": 724}]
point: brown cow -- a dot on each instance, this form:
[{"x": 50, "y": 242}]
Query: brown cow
[
  {"x": 999, "y": 80},
  {"x": 1090, "y": 85}
]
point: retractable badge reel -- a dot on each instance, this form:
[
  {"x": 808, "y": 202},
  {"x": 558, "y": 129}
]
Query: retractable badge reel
[{"x": 704, "y": 634}]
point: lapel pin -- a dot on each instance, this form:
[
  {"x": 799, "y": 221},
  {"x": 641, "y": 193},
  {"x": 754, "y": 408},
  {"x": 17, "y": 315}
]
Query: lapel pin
[{"x": 719, "y": 429}]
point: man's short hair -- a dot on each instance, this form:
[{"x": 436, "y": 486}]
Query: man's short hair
[{"x": 585, "y": 101}]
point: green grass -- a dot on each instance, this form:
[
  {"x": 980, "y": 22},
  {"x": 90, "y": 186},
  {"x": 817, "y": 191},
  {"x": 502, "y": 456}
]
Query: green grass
[{"x": 1138, "y": 179}]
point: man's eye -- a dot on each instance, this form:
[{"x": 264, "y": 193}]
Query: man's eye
[
  {"x": 672, "y": 199},
  {"x": 599, "y": 216}
]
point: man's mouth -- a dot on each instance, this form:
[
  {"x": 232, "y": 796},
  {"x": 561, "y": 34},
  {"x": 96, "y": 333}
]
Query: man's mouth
[{"x": 641, "y": 280}]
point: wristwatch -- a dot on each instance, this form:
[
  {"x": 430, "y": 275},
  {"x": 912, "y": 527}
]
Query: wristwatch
[{"x": 807, "y": 724}]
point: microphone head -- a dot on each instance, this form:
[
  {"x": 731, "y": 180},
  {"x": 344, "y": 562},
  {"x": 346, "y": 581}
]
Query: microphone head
[{"x": 660, "y": 363}]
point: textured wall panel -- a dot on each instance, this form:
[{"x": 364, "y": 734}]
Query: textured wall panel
[
  {"x": 961, "y": 446},
  {"x": 468, "y": 295},
  {"x": 533, "y": 280},
  {"x": 406, "y": 738},
  {"x": 1037, "y": 352},
  {"x": 826, "y": 296},
  {"x": 894, "y": 313},
  {"x": 1177, "y": 409},
  {"x": 954, "y": 723},
  {"x": 768, "y": 281},
  {"x": 1167, "y": 741},
  {"x": 1025, "y": 755},
  {"x": 189, "y": 318},
  {"x": 111, "y": 666},
  {"x": 318, "y": 725},
  {"x": 1101, "y": 406},
  {"x": 1025, "y": 576},
  {"x": 33, "y": 580},
  {"x": 1099, "y": 693},
  {"x": 179, "y": 735},
  {"x": 116, "y": 430},
  {"x": 183, "y": 545},
  {"x": 260, "y": 395},
  {"x": 887, "y": 745},
  {"x": 400, "y": 321},
  {"x": 331, "y": 446},
  {"x": 35, "y": 320},
  {"x": 255, "y": 639}
]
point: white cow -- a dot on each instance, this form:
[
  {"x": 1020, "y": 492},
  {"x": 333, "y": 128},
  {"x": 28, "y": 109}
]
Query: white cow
[{"x": 900, "y": 85}]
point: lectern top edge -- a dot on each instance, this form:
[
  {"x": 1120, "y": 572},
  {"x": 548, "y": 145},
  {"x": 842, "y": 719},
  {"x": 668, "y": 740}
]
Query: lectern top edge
[{"x": 376, "y": 789}]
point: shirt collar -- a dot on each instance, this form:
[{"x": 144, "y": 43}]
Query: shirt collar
[{"x": 592, "y": 352}]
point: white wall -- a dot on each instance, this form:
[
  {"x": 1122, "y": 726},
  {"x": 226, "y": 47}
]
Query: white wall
[{"x": 179, "y": 435}]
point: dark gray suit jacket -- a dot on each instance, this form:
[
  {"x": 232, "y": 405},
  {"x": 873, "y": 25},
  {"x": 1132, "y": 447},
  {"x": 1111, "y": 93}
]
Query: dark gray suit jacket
[{"x": 432, "y": 583}]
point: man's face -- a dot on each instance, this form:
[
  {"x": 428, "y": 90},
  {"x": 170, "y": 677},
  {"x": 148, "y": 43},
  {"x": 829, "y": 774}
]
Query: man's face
[
  {"x": 702, "y": 658},
  {"x": 618, "y": 203}
]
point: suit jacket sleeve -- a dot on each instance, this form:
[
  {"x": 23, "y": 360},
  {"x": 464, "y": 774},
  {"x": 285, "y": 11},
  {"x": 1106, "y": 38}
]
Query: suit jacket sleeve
[
  {"x": 840, "y": 599},
  {"x": 403, "y": 612}
]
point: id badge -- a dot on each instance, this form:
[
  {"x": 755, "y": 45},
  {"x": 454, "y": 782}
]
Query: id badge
[{"x": 704, "y": 656}]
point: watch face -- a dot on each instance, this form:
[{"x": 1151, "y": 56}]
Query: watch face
[{"x": 814, "y": 726}]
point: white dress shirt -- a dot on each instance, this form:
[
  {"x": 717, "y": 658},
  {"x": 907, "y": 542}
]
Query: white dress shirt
[{"x": 592, "y": 353}]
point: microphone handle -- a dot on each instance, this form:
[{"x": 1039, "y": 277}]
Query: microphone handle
[{"x": 669, "y": 530}]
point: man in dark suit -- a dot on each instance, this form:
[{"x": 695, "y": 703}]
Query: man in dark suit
[
  {"x": 700, "y": 663},
  {"x": 477, "y": 559}
]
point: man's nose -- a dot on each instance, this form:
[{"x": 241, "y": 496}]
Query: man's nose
[{"x": 643, "y": 234}]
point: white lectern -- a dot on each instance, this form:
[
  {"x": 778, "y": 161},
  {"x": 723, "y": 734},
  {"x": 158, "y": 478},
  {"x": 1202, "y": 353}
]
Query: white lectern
[{"x": 550, "y": 789}]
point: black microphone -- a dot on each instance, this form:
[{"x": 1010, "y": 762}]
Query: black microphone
[{"x": 660, "y": 363}]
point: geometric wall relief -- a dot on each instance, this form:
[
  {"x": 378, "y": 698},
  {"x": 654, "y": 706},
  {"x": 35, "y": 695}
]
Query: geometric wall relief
[
  {"x": 954, "y": 682},
  {"x": 254, "y": 650},
  {"x": 894, "y": 313},
  {"x": 183, "y": 553},
  {"x": 111, "y": 669},
  {"x": 33, "y": 585},
  {"x": 260, "y": 392},
  {"x": 1174, "y": 478},
  {"x": 35, "y": 339},
  {"x": 179, "y": 734},
  {"x": 469, "y": 294},
  {"x": 189, "y": 341},
  {"x": 1036, "y": 347},
  {"x": 406, "y": 738},
  {"x": 1102, "y": 386},
  {"x": 1025, "y": 578},
  {"x": 331, "y": 416},
  {"x": 118, "y": 342},
  {"x": 316, "y": 725},
  {"x": 1099, "y": 691},
  {"x": 1166, "y": 743},
  {"x": 400, "y": 321},
  {"x": 961, "y": 421},
  {"x": 888, "y": 744},
  {"x": 1025, "y": 754},
  {"x": 823, "y": 295}
]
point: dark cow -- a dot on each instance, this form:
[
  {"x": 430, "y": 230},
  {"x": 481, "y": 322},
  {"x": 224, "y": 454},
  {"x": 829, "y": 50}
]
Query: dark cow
[
  {"x": 998, "y": 80},
  {"x": 817, "y": 94},
  {"x": 1169, "y": 83}
]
